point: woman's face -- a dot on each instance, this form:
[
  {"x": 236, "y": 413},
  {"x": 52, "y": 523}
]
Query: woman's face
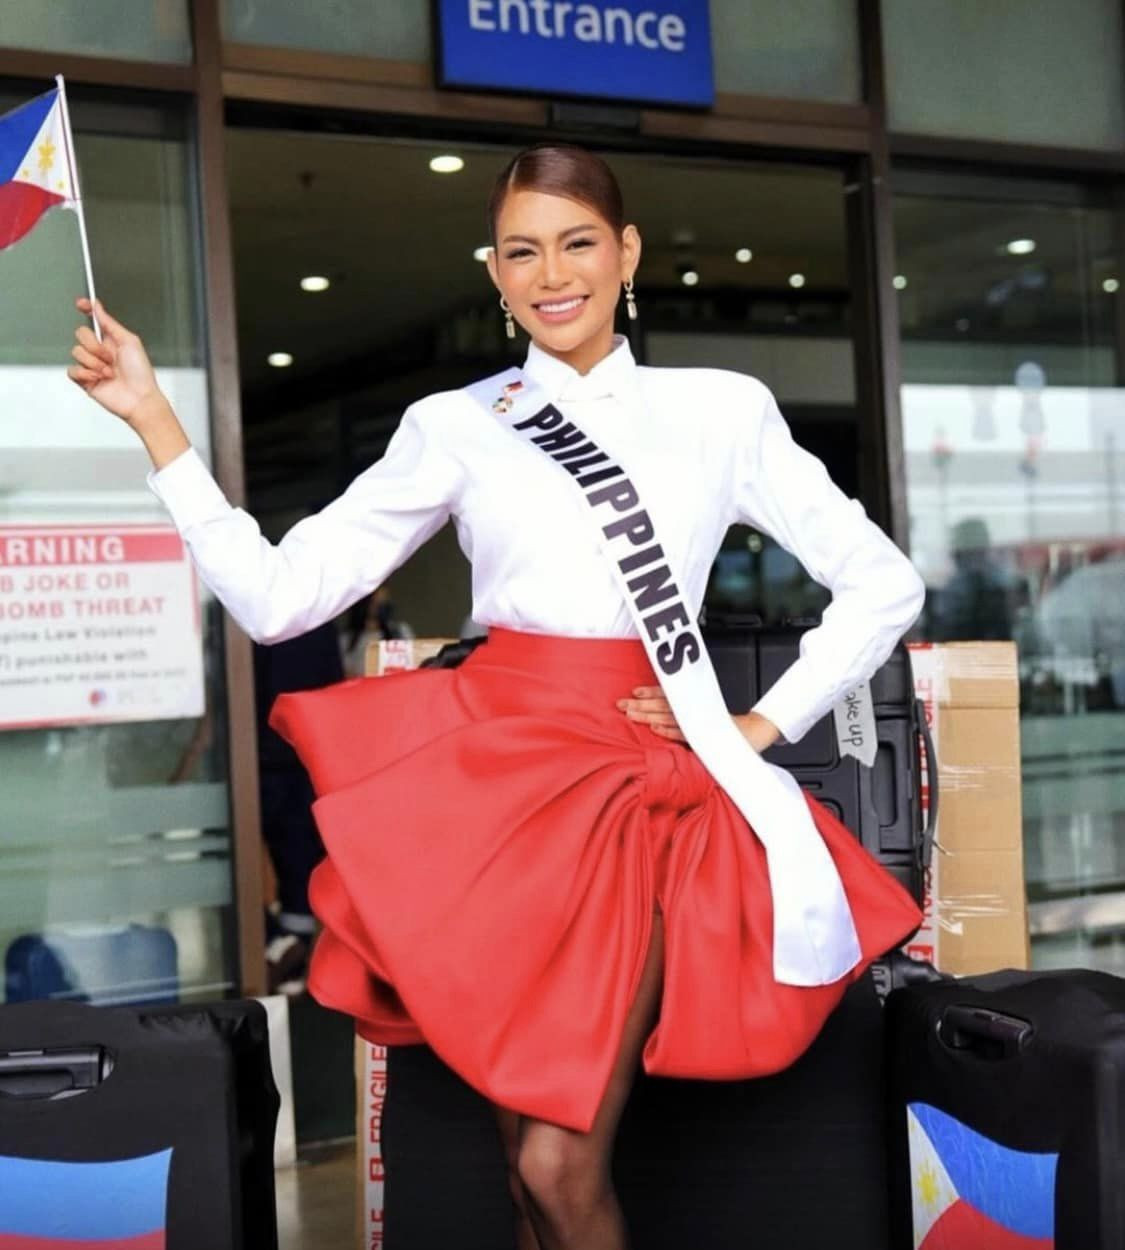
[{"x": 560, "y": 265}]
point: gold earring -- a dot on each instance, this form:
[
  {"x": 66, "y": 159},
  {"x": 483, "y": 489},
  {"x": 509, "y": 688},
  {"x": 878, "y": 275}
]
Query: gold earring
[
  {"x": 630, "y": 300},
  {"x": 509, "y": 321}
]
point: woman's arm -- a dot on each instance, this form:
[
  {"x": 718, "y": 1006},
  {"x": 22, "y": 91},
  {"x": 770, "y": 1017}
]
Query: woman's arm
[
  {"x": 325, "y": 562},
  {"x": 877, "y": 594}
]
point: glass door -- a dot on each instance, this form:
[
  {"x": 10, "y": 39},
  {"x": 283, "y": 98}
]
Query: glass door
[
  {"x": 115, "y": 843},
  {"x": 1014, "y": 429}
]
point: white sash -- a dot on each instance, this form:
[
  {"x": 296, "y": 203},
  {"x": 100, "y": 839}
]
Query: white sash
[{"x": 815, "y": 941}]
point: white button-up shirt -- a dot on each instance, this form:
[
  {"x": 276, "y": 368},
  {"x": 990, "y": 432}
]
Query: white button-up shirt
[{"x": 706, "y": 447}]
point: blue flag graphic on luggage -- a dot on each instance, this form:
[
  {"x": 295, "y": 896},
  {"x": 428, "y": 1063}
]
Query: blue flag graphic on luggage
[
  {"x": 50, "y": 1205},
  {"x": 971, "y": 1193},
  {"x": 34, "y": 165}
]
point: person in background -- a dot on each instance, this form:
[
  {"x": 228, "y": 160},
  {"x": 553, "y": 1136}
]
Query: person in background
[
  {"x": 371, "y": 620},
  {"x": 307, "y": 662}
]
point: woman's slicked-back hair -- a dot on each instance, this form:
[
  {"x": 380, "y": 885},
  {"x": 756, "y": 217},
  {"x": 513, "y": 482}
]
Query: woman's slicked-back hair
[{"x": 560, "y": 169}]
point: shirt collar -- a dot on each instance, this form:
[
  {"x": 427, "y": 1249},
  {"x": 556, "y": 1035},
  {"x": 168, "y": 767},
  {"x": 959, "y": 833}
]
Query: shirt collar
[{"x": 613, "y": 375}]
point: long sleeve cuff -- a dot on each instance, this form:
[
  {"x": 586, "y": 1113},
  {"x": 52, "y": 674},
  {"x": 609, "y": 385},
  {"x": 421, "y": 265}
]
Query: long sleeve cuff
[
  {"x": 795, "y": 701},
  {"x": 188, "y": 491}
]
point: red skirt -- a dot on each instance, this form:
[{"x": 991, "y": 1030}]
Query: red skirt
[{"x": 498, "y": 836}]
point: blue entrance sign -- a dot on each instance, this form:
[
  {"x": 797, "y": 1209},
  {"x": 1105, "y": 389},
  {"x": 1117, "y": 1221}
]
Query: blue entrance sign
[{"x": 647, "y": 51}]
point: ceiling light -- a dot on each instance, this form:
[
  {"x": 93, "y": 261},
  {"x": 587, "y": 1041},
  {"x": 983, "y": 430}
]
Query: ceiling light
[
  {"x": 314, "y": 283},
  {"x": 899, "y": 282},
  {"x": 1021, "y": 247},
  {"x": 796, "y": 279},
  {"x": 743, "y": 255},
  {"x": 689, "y": 277},
  {"x": 447, "y": 164},
  {"x": 1110, "y": 285},
  {"x": 481, "y": 253},
  {"x": 279, "y": 360}
]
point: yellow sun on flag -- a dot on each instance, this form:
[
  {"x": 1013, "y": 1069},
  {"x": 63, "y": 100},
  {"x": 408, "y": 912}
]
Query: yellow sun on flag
[
  {"x": 46, "y": 156},
  {"x": 927, "y": 1184}
]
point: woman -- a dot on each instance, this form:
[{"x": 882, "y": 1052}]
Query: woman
[
  {"x": 533, "y": 871},
  {"x": 372, "y": 620}
]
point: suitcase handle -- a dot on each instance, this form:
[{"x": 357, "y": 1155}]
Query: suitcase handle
[
  {"x": 988, "y": 1034},
  {"x": 46, "y": 1074},
  {"x": 926, "y": 847}
]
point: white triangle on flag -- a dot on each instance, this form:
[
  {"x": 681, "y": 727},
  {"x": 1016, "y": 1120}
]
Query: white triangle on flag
[
  {"x": 45, "y": 163},
  {"x": 932, "y": 1192}
]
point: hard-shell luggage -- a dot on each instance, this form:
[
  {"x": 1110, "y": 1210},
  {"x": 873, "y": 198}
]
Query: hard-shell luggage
[
  {"x": 880, "y": 804},
  {"x": 1007, "y": 1112},
  {"x": 244, "y": 1027},
  {"x": 149, "y": 1127},
  {"x": 105, "y": 965},
  {"x": 796, "y": 1160}
]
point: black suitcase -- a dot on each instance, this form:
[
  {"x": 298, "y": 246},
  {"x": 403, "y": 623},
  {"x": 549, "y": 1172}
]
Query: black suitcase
[
  {"x": 795, "y": 1160},
  {"x": 1007, "y": 1112},
  {"x": 125, "y": 1126},
  {"x": 881, "y": 805}
]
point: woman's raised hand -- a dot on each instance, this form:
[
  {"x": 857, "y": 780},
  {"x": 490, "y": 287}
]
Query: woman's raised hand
[{"x": 116, "y": 372}]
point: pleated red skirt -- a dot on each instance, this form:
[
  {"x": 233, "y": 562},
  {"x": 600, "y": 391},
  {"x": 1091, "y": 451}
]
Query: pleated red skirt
[{"x": 498, "y": 836}]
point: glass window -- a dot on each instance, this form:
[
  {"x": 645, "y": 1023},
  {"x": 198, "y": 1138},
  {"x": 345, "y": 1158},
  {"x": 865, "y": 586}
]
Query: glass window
[
  {"x": 1014, "y": 432},
  {"x": 115, "y": 846},
  {"x": 140, "y": 30},
  {"x": 394, "y": 31},
  {"x": 1049, "y": 73},
  {"x": 794, "y": 49}
]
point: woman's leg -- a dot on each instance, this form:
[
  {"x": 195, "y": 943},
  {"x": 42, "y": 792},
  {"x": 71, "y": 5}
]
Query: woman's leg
[
  {"x": 509, "y": 1124},
  {"x": 566, "y": 1174}
]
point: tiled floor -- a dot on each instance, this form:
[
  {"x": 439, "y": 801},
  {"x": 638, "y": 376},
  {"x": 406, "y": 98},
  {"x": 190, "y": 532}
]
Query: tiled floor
[{"x": 316, "y": 1200}]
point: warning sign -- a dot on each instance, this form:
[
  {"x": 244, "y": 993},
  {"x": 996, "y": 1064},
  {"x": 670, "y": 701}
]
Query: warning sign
[{"x": 97, "y": 623}]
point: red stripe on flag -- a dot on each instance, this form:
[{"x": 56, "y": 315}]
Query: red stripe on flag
[
  {"x": 146, "y": 1241},
  {"x": 21, "y": 206},
  {"x": 963, "y": 1227}
]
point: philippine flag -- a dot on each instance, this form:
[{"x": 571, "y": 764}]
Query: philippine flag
[
  {"x": 45, "y": 1205},
  {"x": 34, "y": 167},
  {"x": 971, "y": 1193}
]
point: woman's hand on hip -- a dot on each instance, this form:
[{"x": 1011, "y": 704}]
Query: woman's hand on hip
[{"x": 649, "y": 706}]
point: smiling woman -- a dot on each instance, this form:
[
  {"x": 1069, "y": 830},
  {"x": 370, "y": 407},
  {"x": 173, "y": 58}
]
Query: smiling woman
[{"x": 562, "y": 250}]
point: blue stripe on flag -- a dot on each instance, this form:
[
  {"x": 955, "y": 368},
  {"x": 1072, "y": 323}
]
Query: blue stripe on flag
[
  {"x": 123, "y": 1198},
  {"x": 1016, "y": 1188},
  {"x": 17, "y": 131}
]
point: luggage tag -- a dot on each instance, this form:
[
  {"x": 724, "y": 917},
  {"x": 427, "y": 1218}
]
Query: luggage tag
[{"x": 854, "y": 718}]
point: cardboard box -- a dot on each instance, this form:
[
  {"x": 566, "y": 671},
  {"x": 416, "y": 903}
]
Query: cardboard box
[
  {"x": 385, "y": 656},
  {"x": 392, "y": 654},
  {"x": 370, "y": 1094},
  {"x": 975, "y": 905}
]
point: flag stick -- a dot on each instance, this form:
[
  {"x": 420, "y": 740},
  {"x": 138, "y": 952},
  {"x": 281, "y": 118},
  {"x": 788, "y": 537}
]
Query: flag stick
[{"x": 68, "y": 140}]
